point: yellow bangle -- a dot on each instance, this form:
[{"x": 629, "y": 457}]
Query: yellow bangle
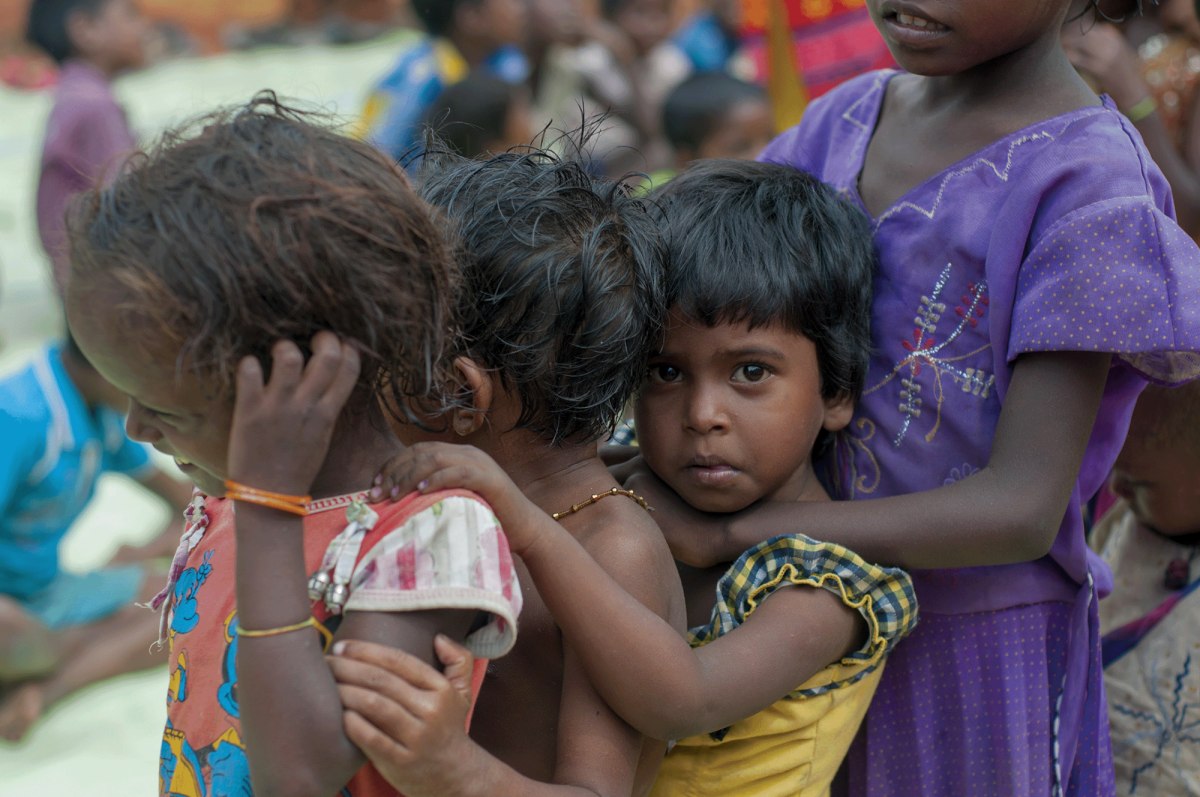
[
  {"x": 285, "y": 629},
  {"x": 1140, "y": 111}
]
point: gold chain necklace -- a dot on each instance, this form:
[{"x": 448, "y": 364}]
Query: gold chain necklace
[{"x": 614, "y": 491}]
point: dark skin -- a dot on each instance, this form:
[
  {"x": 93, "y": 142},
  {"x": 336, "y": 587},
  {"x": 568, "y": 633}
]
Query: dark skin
[
  {"x": 729, "y": 416},
  {"x": 306, "y": 431},
  {"x": 569, "y": 742},
  {"x": 979, "y": 72}
]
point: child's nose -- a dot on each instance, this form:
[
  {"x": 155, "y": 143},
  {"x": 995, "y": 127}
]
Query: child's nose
[
  {"x": 705, "y": 412},
  {"x": 136, "y": 426}
]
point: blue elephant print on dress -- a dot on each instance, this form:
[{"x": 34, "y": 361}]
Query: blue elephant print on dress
[
  {"x": 227, "y": 691},
  {"x": 230, "y": 772},
  {"x": 184, "y": 610}
]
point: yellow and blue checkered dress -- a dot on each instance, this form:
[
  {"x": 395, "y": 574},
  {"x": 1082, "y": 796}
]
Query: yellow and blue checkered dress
[{"x": 795, "y": 746}]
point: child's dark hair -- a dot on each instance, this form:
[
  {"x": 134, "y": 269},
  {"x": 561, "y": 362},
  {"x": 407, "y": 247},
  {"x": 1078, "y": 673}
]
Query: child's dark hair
[
  {"x": 762, "y": 243},
  {"x": 563, "y": 284},
  {"x": 695, "y": 109},
  {"x": 438, "y": 15},
  {"x": 258, "y": 224},
  {"x": 469, "y": 114},
  {"x": 47, "y": 24}
]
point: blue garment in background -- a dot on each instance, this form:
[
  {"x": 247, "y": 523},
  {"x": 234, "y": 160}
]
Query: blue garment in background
[
  {"x": 426, "y": 66},
  {"x": 54, "y": 451},
  {"x": 706, "y": 44}
]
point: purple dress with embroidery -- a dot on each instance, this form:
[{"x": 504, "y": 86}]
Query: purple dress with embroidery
[{"x": 1059, "y": 237}]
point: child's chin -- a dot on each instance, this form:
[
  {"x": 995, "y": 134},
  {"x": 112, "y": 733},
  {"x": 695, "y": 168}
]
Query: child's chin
[{"x": 718, "y": 503}]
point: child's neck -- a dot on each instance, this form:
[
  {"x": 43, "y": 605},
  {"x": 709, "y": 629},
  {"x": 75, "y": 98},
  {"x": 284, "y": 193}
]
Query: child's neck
[
  {"x": 1034, "y": 81},
  {"x": 361, "y": 444},
  {"x": 554, "y": 477}
]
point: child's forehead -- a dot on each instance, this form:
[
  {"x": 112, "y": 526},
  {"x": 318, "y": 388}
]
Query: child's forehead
[{"x": 701, "y": 336}]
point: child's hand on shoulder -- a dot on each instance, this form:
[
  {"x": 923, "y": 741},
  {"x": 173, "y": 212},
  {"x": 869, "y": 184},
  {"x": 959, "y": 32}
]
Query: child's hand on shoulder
[
  {"x": 281, "y": 430},
  {"x": 406, "y": 717},
  {"x": 695, "y": 538},
  {"x": 429, "y": 467}
]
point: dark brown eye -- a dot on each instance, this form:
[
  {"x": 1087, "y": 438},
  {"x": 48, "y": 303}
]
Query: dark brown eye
[
  {"x": 750, "y": 373},
  {"x": 665, "y": 373}
]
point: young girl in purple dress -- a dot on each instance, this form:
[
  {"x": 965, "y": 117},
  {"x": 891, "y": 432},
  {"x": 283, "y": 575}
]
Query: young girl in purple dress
[{"x": 1032, "y": 280}]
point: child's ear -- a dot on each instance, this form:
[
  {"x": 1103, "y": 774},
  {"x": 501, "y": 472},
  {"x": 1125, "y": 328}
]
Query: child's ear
[
  {"x": 477, "y": 381},
  {"x": 838, "y": 411}
]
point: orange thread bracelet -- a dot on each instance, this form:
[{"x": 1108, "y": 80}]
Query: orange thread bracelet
[{"x": 295, "y": 504}]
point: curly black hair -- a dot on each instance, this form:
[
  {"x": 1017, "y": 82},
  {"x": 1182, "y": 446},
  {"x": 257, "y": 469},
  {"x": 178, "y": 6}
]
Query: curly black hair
[
  {"x": 261, "y": 223},
  {"x": 563, "y": 283},
  {"x": 763, "y": 243}
]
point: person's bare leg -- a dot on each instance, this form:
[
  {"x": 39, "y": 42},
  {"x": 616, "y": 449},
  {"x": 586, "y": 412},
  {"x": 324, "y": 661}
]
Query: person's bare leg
[
  {"x": 27, "y": 648},
  {"x": 117, "y": 645}
]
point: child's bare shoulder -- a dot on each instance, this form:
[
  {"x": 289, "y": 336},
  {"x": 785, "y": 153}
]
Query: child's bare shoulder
[{"x": 624, "y": 539}]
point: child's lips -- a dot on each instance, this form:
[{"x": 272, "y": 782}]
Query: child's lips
[{"x": 713, "y": 475}]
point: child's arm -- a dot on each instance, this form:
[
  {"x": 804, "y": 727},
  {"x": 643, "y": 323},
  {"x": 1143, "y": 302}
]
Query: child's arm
[
  {"x": 408, "y": 719},
  {"x": 648, "y": 674},
  {"x": 1010, "y": 511},
  {"x": 289, "y": 707}
]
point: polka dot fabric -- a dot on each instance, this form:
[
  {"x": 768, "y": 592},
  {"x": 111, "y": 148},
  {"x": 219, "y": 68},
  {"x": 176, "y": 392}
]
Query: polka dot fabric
[
  {"x": 1118, "y": 277},
  {"x": 1006, "y": 685}
]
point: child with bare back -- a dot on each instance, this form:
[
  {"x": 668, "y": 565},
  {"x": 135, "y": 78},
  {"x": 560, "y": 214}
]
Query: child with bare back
[
  {"x": 764, "y": 354},
  {"x": 255, "y": 287},
  {"x": 562, "y": 303}
]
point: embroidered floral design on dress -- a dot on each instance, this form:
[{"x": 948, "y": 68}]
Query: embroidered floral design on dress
[
  {"x": 927, "y": 353},
  {"x": 958, "y": 474}
]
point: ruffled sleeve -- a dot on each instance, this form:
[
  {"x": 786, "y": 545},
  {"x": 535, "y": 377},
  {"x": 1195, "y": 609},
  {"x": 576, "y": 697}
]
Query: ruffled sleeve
[
  {"x": 1117, "y": 276},
  {"x": 882, "y": 595},
  {"x": 450, "y": 555}
]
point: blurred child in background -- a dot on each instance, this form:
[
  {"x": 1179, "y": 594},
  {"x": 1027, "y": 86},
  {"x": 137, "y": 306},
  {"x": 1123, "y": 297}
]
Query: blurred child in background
[
  {"x": 1150, "y": 66},
  {"x": 713, "y": 115},
  {"x": 657, "y": 65},
  {"x": 464, "y": 36},
  {"x": 87, "y": 132},
  {"x": 1151, "y": 621},
  {"x": 61, "y": 426},
  {"x": 481, "y": 115}
]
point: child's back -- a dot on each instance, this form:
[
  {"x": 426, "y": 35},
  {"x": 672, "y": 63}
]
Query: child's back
[{"x": 561, "y": 304}]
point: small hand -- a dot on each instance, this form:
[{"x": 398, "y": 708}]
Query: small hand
[
  {"x": 695, "y": 538},
  {"x": 428, "y": 467},
  {"x": 281, "y": 431},
  {"x": 406, "y": 717},
  {"x": 1102, "y": 51},
  {"x": 612, "y": 455}
]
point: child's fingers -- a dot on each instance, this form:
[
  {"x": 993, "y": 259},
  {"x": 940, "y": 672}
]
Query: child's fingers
[
  {"x": 344, "y": 381},
  {"x": 287, "y": 365},
  {"x": 387, "y": 717},
  {"x": 376, "y": 745},
  {"x": 322, "y": 367},
  {"x": 401, "y": 666},
  {"x": 249, "y": 379},
  {"x": 459, "y": 664}
]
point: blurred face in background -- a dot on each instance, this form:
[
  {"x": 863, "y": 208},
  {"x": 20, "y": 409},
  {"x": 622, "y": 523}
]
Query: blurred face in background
[
  {"x": 1180, "y": 15},
  {"x": 501, "y": 21},
  {"x": 744, "y": 133},
  {"x": 556, "y": 21},
  {"x": 645, "y": 22},
  {"x": 728, "y": 13},
  {"x": 113, "y": 37}
]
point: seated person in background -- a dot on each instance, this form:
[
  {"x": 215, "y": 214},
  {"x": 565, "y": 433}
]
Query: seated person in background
[
  {"x": 1151, "y": 621},
  {"x": 481, "y": 115},
  {"x": 464, "y": 36},
  {"x": 60, "y": 631},
  {"x": 562, "y": 303},
  {"x": 87, "y": 132},
  {"x": 657, "y": 65},
  {"x": 714, "y": 115},
  {"x": 764, "y": 355}
]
